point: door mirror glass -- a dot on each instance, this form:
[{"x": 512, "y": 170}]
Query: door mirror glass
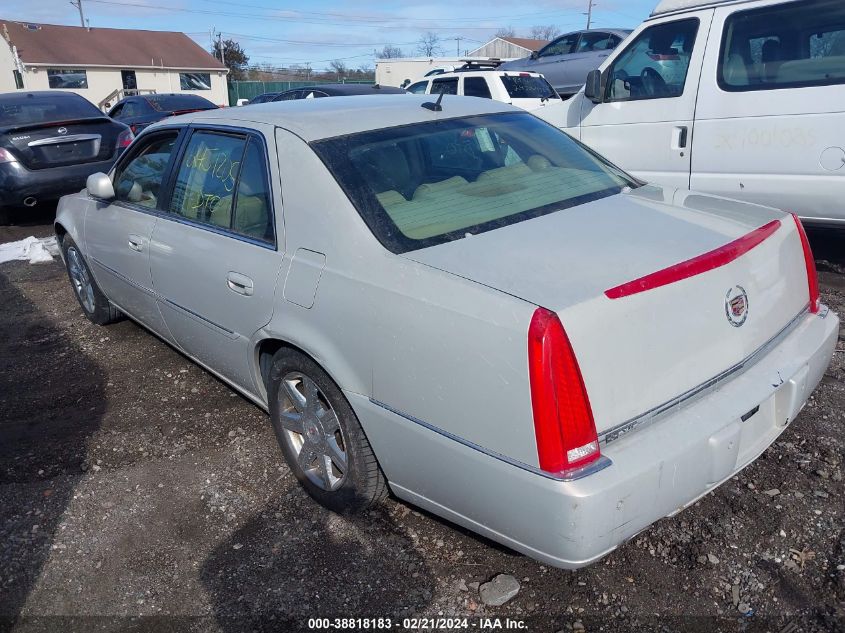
[
  {"x": 99, "y": 185},
  {"x": 592, "y": 89}
]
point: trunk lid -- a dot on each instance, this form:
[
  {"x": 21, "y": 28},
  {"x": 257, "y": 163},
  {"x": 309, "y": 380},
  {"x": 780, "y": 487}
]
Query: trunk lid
[
  {"x": 639, "y": 350},
  {"x": 60, "y": 143}
]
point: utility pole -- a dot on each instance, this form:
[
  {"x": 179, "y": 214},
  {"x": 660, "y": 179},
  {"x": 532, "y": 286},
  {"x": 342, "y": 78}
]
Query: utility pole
[
  {"x": 589, "y": 13},
  {"x": 457, "y": 44},
  {"x": 220, "y": 44},
  {"x": 78, "y": 5}
]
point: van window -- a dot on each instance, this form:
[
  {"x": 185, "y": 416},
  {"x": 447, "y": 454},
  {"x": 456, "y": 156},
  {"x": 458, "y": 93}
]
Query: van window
[
  {"x": 655, "y": 64},
  {"x": 790, "y": 45}
]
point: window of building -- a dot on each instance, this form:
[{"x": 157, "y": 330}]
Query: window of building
[
  {"x": 67, "y": 78},
  {"x": 195, "y": 81}
]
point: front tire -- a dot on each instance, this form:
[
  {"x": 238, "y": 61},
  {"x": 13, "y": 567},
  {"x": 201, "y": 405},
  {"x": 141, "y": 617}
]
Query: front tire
[
  {"x": 94, "y": 303},
  {"x": 320, "y": 436}
]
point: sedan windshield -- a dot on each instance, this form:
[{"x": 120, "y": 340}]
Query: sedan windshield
[{"x": 429, "y": 183}]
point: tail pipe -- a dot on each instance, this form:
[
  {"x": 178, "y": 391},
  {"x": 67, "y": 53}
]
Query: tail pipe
[{"x": 30, "y": 201}]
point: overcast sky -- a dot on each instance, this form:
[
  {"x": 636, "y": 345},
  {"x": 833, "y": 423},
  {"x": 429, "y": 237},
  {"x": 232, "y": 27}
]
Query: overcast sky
[{"x": 284, "y": 33}]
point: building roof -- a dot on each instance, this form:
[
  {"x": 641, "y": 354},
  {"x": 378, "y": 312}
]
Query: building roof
[
  {"x": 315, "y": 119},
  {"x": 525, "y": 42},
  {"x": 77, "y": 46}
]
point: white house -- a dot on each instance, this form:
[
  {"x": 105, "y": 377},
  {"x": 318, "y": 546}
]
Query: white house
[
  {"x": 104, "y": 64},
  {"x": 509, "y": 47}
]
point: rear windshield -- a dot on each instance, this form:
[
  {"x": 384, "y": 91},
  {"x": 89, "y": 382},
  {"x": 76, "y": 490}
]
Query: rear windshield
[
  {"x": 528, "y": 87},
  {"x": 429, "y": 183},
  {"x": 169, "y": 103},
  {"x": 26, "y": 110}
]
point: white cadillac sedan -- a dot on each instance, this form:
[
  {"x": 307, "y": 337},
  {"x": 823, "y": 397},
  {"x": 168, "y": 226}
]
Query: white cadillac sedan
[{"x": 460, "y": 304}]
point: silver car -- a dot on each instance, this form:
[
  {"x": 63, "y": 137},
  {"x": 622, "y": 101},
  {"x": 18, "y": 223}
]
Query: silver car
[
  {"x": 458, "y": 303},
  {"x": 567, "y": 60}
]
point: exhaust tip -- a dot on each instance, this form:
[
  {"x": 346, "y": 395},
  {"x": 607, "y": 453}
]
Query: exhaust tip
[{"x": 31, "y": 201}]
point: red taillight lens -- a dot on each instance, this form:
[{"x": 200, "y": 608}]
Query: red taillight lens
[
  {"x": 124, "y": 139},
  {"x": 6, "y": 156},
  {"x": 809, "y": 261},
  {"x": 563, "y": 418}
]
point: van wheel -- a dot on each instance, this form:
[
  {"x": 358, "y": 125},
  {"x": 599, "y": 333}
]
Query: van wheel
[
  {"x": 94, "y": 303},
  {"x": 320, "y": 436}
]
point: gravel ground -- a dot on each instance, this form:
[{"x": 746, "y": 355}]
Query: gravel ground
[{"x": 137, "y": 492}]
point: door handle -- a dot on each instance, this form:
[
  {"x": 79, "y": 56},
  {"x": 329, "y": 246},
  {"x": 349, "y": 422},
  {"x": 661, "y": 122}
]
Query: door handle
[
  {"x": 136, "y": 243},
  {"x": 239, "y": 283},
  {"x": 679, "y": 136}
]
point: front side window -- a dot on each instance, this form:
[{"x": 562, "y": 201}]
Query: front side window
[
  {"x": 561, "y": 46},
  {"x": 447, "y": 86},
  {"x": 418, "y": 88},
  {"x": 655, "y": 64},
  {"x": 139, "y": 181},
  {"x": 785, "y": 46},
  {"x": 195, "y": 81},
  {"x": 425, "y": 184},
  {"x": 476, "y": 87},
  {"x": 67, "y": 78},
  {"x": 222, "y": 182}
]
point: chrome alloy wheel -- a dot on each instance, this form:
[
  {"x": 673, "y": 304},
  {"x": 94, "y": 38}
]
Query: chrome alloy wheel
[
  {"x": 81, "y": 281},
  {"x": 312, "y": 431}
]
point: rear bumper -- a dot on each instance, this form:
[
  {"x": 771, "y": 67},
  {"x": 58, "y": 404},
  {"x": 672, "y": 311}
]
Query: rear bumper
[
  {"x": 656, "y": 471},
  {"x": 17, "y": 183}
]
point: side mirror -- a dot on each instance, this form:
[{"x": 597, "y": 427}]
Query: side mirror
[
  {"x": 99, "y": 185},
  {"x": 534, "y": 54},
  {"x": 593, "y": 88}
]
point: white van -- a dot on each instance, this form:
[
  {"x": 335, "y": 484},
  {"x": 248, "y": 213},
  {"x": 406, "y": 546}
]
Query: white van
[{"x": 741, "y": 98}]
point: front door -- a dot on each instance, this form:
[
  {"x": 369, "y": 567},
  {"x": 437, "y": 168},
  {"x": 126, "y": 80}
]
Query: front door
[
  {"x": 214, "y": 256},
  {"x": 130, "y": 82},
  {"x": 645, "y": 123},
  {"x": 117, "y": 241}
]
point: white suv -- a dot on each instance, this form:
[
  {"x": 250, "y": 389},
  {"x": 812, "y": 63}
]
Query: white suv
[{"x": 526, "y": 90}]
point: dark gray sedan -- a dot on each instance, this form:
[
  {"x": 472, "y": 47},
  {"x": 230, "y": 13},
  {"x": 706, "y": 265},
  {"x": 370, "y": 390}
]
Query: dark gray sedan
[{"x": 566, "y": 61}]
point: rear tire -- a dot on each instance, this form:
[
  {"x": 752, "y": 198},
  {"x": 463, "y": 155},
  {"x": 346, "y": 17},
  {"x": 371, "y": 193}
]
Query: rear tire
[
  {"x": 320, "y": 436},
  {"x": 94, "y": 303}
]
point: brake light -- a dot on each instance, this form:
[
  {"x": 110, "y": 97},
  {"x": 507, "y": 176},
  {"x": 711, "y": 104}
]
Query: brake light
[
  {"x": 563, "y": 419},
  {"x": 809, "y": 261},
  {"x": 6, "y": 156},
  {"x": 125, "y": 138}
]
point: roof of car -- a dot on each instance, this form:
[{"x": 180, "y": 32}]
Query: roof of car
[
  {"x": 350, "y": 89},
  {"x": 12, "y": 97},
  {"x": 315, "y": 119}
]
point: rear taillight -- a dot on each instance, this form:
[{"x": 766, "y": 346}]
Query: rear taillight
[
  {"x": 563, "y": 419},
  {"x": 125, "y": 139},
  {"x": 6, "y": 156},
  {"x": 812, "y": 276}
]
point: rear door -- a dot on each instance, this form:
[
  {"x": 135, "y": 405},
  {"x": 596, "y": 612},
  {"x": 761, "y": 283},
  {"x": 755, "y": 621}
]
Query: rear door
[
  {"x": 117, "y": 233},
  {"x": 645, "y": 123},
  {"x": 215, "y": 255},
  {"x": 770, "y": 122}
]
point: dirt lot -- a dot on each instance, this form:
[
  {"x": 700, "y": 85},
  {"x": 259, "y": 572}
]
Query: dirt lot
[{"x": 138, "y": 492}]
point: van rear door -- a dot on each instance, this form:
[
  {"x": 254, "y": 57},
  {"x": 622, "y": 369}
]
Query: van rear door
[{"x": 645, "y": 123}]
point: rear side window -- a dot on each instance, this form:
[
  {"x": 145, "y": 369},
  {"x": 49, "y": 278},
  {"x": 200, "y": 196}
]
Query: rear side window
[
  {"x": 655, "y": 64},
  {"x": 785, "y": 46},
  {"x": 476, "y": 87},
  {"x": 528, "y": 87},
  {"x": 222, "y": 182},
  {"x": 139, "y": 181},
  {"x": 446, "y": 86}
]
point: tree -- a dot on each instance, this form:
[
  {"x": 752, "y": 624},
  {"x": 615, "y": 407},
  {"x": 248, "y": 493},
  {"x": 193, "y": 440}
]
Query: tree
[
  {"x": 390, "y": 52},
  {"x": 234, "y": 57},
  {"x": 547, "y": 32},
  {"x": 429, "y": 45},
  {"x": 505, "y": 31},
  {"x": 339, "y": 68}
]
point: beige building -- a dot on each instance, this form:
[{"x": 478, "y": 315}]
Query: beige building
[
  {"x": 509, "y": 47},
  {"x": 103, "y": 65}
]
